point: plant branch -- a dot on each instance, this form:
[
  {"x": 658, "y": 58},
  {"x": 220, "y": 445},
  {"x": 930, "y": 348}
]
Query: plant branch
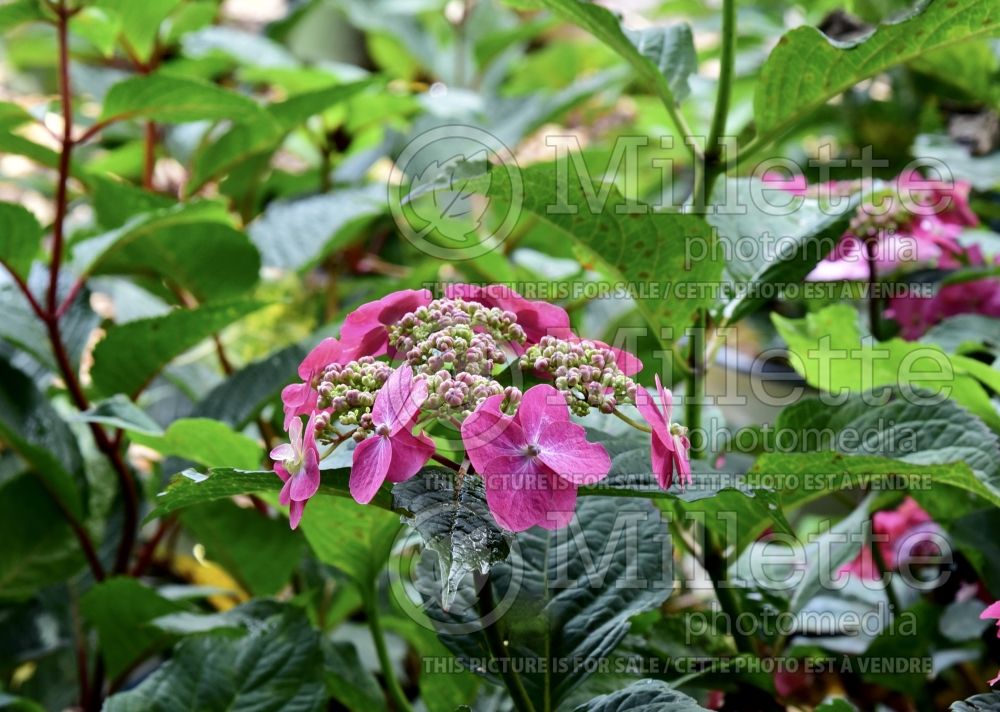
[
  {"x": 722, "y": 98},
  {"x": 695, "y": 389}
]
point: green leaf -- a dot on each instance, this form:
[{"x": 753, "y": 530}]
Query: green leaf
[
  {"x": 806, "y": 68},
  {"x": 119, "y": 412},
  {"x": 831, "y": 550},
  {"x": 347, "y": 679},
  {"x": 120, "y": 609},
  {"x": 259, "y": 552},
  {"x": 785, "y": 247},
  {"x": 33, "y": 429},
  {"x": 822, "y": 342},
  {"x": 205, "y": 441},
  {"x": 987, "y": 702},
  {"x": 98, "y": 26},
  {"x": 173, "y": 99},
  {"x": 190, "y": 487},
  {"x": 355, "y": 538},
  {"x": 643, "y": 696},
  {"x": 293, "y": 234},
  {"x": 565, "y": 595},
  {"x": 39, "y": 548},
  {"x": 275, "y": 667},
  {"x": 297, "y": 108},
  {"x": 243, "y": 395},
  {"x": 115, "y": 202},
  {"x": 121, "y": 367},
  {"x": 663, "y": 57},
  {"x": 966, "y": 333},
  {"x": 19, "y": 12},
  {"x": 20, "y": 238},
  {"x": 633, "y": 245},
  {"x": 140, "y": 21},
  {"x": 455, "y": 523}
]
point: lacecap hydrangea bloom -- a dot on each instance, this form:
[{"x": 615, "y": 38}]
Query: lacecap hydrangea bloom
[{"x": 410, "y": 366}]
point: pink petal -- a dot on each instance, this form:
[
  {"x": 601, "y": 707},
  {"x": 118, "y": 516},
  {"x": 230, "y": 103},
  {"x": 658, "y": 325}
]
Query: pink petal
[
  {"x": 540, "y": 405},
  {"x": 487, "y": 433},
  {"x": 992, "y": 611},
  {"x": 280, "y": 471},
  {"x": 399, "y": 399},
  {"x": 326, "y": 352},
  {"x": 565, "y": 451},
  {"x": 295, "y": 435},
  {"x": 305, "y": 484},
  {"x": 409, "y": 453},
  {"x": 285, "y": 496},
  {"x": 295, "y": 510},
  {"x": 561, "y": 505},
  {"x": 370, "y": 465},
  {"x": 538, "y": 319},
  {"x": 681, "y": 459},
  {"x": 518, "y": 492},
  {"x": 650, "y": 413},
  {"x": 285, "y": 451},
  {"x": 297, "y": 399},
  {"x": 666, "y": 399},
  {"x": 662, "y": 459},
  {"x": 364, "y": 332}
]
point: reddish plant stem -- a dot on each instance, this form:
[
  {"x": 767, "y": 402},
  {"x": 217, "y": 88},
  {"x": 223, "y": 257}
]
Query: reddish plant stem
[
  {"x": 65, "y": 155},
  {"x": 145, "y": 557}
]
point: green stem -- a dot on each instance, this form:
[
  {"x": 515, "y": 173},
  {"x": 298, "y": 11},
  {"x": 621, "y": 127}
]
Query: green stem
[
  {"x": 511, "y": 679},
  {"x": 714, "y": 564},
  {"x": 638, "y": 426},
  {"x": 727, "y": 61},
  {"x": 378, "y": 635},
  {"x": 695, "y": 391}
]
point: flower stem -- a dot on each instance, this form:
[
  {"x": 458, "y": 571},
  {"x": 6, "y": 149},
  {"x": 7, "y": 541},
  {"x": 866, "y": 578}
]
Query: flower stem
[
  {"x": 498, "y": 651},
  {"x": 638, "y": 426},
  {"x": 722, "y": 98},
  {"x": 378, "y": 636},
  {"x": 695, "y": 390}
]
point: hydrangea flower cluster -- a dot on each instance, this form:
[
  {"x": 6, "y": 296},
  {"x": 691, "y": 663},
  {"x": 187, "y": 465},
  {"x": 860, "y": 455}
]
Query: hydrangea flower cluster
[
  {"x": 921, "y": 230},
  {"x": 900, "y": 534},
  {"x": 408, "y": 365}
]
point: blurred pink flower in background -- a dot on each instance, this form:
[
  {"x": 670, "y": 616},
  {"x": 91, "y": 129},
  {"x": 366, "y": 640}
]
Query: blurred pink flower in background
[{"x": 900, "y": 534}]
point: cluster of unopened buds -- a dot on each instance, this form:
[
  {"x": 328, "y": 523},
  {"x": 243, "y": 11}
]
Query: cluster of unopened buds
[{"x": 409, "y": 366}]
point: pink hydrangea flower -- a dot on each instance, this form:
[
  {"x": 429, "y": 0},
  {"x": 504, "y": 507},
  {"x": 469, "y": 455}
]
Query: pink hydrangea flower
[
  {"x": 993, "y": 612},
  {"x": 297, "y": 464},
  {"x": 301, "y": 398},
  {"x": 670, "y": 445},
  {"x": 364, "y": 331},
  {"x": 902, "y": 533},
  {"x": 393, "y": 453},
  {"x": 533, "y": 462},
  {"x": 538, "y": 319}
]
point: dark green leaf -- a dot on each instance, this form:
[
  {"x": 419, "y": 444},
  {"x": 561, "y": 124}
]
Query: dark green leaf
[
  {"x": 455, "y": 523},
  {"x": 565, "y": 596},
  {"x": 39, "y": 548},
  {"x": 119, "y": 609},
  {"x": 348, "y": 681},
  {"x": 119, "y": 412},
  {"x": 277, "y": 666},
  {"x": 242, "y": 396},
  {"x": 119, "y": 367},
  {"x": 259, "y": 552},
  {"x": 643, "y": 696},
  {"x": 33, "y": 429},
  {"x": 987, "y": 702}
]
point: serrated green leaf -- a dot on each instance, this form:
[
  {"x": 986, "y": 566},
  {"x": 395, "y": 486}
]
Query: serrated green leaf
[
  {"x": 173, "y": 99},
  {"x": 259, "y": 552},
  {"x": 190, "y": 487},
  {"x": 115, "y": 202},
  {"x": 119, "y": 367},
  {"x": 120, "y": 609},
  {"x": 98, "y": 26},
  {"x": 663, "y": 57},
  {"x": 276, "y": 666},
  {"x": 646, "y": 250},
  {"x": 455, "y": 523},
  {"x": 20, "y": 238},
  {"x": 564, "y": 596},
  {"x": 806, "y": 68},
  {"x": 643, "y": 696},
  {"x": 987, "y": 702},
  {"x": 140, "y": 21}
]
